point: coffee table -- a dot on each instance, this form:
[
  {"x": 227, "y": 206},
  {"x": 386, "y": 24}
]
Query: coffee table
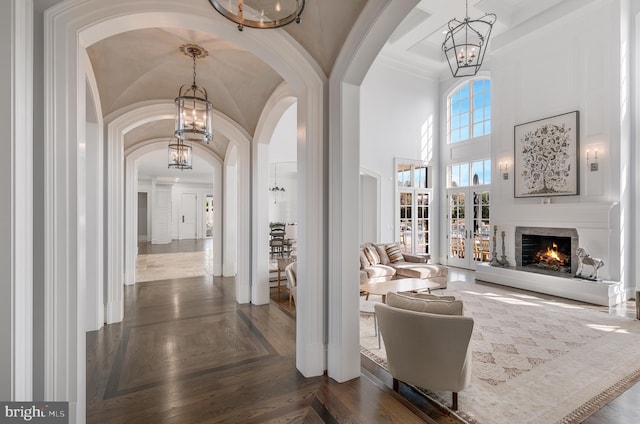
[{"x": 398, "y": 286}]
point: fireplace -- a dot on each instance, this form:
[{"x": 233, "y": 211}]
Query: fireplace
[{"x": 547, "y": 250}]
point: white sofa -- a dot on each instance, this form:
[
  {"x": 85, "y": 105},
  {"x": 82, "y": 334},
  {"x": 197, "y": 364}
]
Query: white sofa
[{"x": 380, "y": 267}]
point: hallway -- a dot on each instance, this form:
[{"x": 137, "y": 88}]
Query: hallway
[{"x": 186, "y": 352}]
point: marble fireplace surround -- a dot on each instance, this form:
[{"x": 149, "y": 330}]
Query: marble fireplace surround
[{"x": 597, "y": 230}]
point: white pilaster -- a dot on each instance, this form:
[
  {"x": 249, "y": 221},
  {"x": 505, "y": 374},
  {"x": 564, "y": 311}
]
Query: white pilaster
[{"x": 16, "y": 248}]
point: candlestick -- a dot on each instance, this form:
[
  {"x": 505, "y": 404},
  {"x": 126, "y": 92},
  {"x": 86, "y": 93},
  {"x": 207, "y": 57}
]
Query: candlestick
[
  {"x": 503, "y": 261},
  {"x": 494, "y": 253}
]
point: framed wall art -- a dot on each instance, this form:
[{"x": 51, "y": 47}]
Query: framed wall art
[{"x": 546, "y": 157}]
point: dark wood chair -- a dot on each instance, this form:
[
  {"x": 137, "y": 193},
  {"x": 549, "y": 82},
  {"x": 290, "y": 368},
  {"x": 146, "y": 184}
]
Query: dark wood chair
[{"x": 277, "y": 240}]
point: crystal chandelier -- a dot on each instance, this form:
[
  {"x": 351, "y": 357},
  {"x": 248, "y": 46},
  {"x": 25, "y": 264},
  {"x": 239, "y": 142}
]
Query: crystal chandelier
[
  {"x": 466, "y": 43},
  {"x": 260, "y": 13},
  {"x": 194, "y": 111},
  {"x": 180, "y": 154}
]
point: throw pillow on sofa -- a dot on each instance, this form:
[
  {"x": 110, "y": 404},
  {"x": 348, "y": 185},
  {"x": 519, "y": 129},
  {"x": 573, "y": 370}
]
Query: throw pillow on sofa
[
  {"x": 441, "y": 307},
  {"x": 364, "y": 262},
  {"x": 372, "y": 255},
  {"x": 395, "y": 255}
]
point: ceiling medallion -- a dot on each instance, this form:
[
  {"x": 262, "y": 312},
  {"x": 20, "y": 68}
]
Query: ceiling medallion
[
  {"x": 194, "y": 111},
  {"x": 466, "y": 43},
  {"x": 260, "y": 14}
]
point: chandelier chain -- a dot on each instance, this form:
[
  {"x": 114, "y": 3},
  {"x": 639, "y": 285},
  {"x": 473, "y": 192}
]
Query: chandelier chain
[{"x": 194, "y": 70}]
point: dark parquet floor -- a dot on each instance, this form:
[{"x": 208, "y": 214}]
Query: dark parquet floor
[{"x": 186, "y": 353}]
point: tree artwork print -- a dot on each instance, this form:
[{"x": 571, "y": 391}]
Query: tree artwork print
[{"x": 545, "y": 162}]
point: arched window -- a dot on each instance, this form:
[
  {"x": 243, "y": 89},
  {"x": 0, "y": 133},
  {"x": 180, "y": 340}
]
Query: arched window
[{"x": 470, "y": 111}]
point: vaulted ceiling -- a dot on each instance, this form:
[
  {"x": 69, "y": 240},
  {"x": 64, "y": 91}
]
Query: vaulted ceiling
[{"x": 147, "y": 64}]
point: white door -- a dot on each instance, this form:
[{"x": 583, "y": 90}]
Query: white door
[
  {"x": 468, "y": 232},
  {"x": 187, "y": 226}
]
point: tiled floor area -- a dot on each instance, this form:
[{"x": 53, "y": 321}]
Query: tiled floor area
[{"x": 181, "y": 258}]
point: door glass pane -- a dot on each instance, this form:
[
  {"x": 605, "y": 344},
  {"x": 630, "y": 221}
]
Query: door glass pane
[
  {"x": 406, "y": 205},
  {"x": 481, "y": 230},
  {"x": 457, "y": 225},
  {"x": 422, "y": 223}
]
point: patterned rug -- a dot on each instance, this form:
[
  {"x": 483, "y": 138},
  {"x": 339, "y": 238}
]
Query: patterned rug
[{"x": 536, "y": 359}]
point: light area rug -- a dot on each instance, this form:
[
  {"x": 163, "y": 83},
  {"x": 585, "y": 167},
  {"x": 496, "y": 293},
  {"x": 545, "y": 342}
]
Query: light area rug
[
  {"x": 536, "y": 359},
  {"x": 165, "y": 266}
]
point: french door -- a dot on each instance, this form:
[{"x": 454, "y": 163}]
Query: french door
[
  {"x": 414, "y": 220},
  {"x": 468, "y": 233}
]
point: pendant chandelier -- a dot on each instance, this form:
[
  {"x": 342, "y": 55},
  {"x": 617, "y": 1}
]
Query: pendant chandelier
[
  {"x": 260, "y": 13},
  {"x": 466, "y": 43},
  {"x": 180, "y": 154},
  {"x": 276, "y": 189},
  {"x": 194, "y": 111}
]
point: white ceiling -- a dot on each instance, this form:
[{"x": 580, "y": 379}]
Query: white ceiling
[
  {"x": 147, "y": 64},
  {"x": 417, "y": 42}
]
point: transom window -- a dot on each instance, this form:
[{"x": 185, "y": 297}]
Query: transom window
[
  {"x": 469, "y": 174},
  {"x": 412, "y": 175},
  {"x": 470, "y": 111}
]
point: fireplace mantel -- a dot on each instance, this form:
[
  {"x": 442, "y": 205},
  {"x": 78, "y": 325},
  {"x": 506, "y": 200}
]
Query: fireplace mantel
[
  {"x": 597, "y": 224},
  {"x": 605, "y": 293}
]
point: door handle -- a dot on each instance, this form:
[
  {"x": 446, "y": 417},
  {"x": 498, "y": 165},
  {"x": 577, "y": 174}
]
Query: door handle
[{"x": 183, "y": 219}]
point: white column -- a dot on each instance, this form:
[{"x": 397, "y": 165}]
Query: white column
[
  {"x": 16, "y": 189},
  {"x": 230, "y": 215},
  {"x": 217, "y": 219},
  {"x": 115, "y": 225},
  {"x": 344, "y": 307},
  {"x": 374, "y": 26},
  {"x": 312, "y": 234},
  {"x": 94, "y": 306},
  {"x": 243, "y": 236},
  {"x": 260, "y": 225},
  {"x": 131, "y": 221}
]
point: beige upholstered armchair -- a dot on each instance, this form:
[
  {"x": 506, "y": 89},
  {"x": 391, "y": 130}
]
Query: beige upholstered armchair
[
  {"x": 291, "y": 271},
  {"x": 428, "y": 350}
]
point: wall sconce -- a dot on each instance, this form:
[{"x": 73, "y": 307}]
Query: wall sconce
[
  {"x": 504, "y": 169},
  {"x": 592, "y": 163}
]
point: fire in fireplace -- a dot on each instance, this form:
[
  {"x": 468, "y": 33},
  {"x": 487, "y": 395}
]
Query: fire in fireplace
[
  {"x": 546, "y": 250},
  {"x": 552, "y": 258}
]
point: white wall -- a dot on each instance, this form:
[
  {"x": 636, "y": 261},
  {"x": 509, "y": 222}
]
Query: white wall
[
  {"x": 283, "y": 168},
  {"x": 177, "y": 189},
  {"x": 161, "y": 199},
  {"x": 201, "y": 191},
  {"x": 394, "y": 108},
  {"x": 536, "y": 76},
  {"x": 286, "y": 207}
]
